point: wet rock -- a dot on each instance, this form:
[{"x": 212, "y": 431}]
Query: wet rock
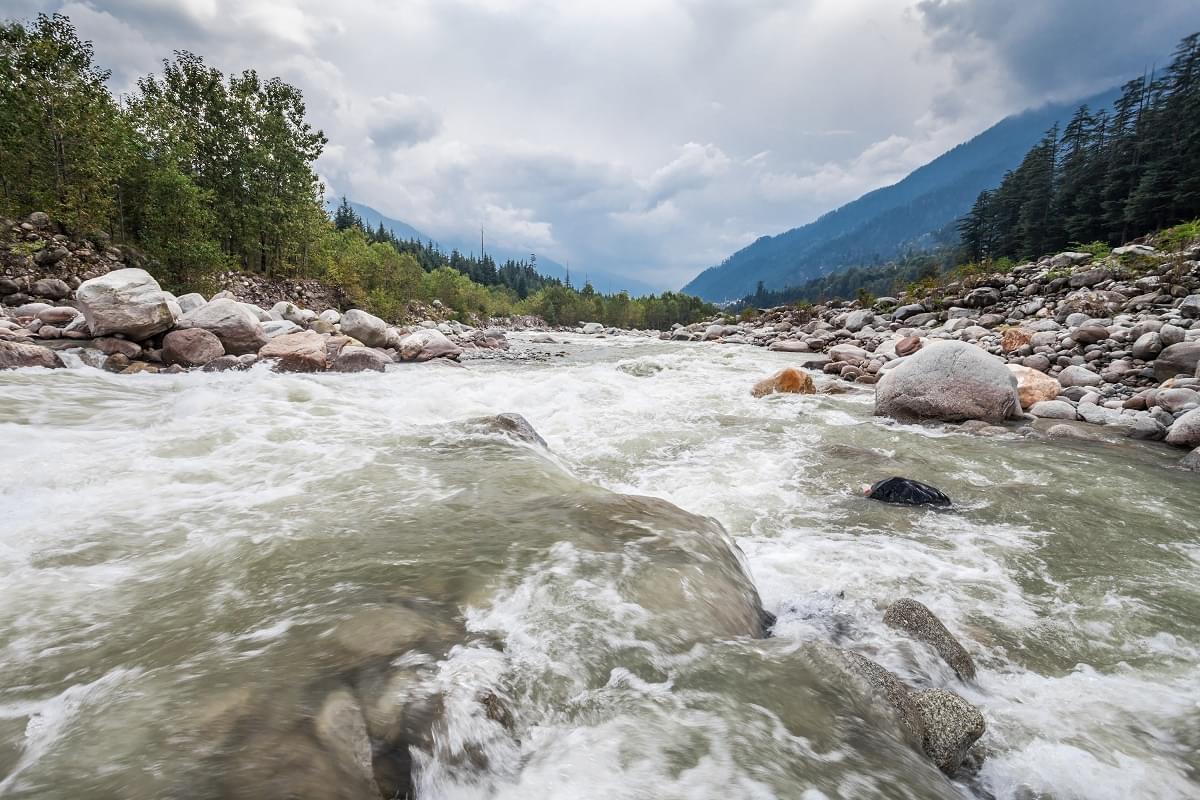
[
  {"x": 907, "y": 492},
  {"x": 227, "y": 362},
  {"x": 787, "y": 381},
  {"x": 789, "y": 346},
  {"x": 951, "y": 726},
  {"x": 513, "y": 425},
  {"x": 360, "y": 359},
  {"x": 1191, "y": 460},
  {"x": 117, "y": 362},
  {"x": 296, "y": 352},
  {"x": 426, "y": 345},
  {"x": 341, "y": 727},
  {"x": 14, "y": 355},
  {"x": 1064, "y": 431},
  {"x": 382, "y": 631},
  {"x": 110, "y": 345},
  {"x": 917, "y": 620},
  {"x": 1034, "y": 386},
  {"x": 1186, "y": 430},
  {"x": 948, "y": 381},
  {"x": 125, "y": 301},
  {"x": 890, "y": 688},
  {"x": 239, "y": 329},
  {"x": 191, "y": 347}
]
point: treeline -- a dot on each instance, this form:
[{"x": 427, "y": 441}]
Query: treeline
[
  {"x": 206, "y": 172},
  {"x": 864, "y": 282},
  {"x": 1110, "y": 176}
]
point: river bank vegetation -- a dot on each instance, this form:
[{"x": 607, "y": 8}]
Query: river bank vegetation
[{"x": 206, "y": 172}]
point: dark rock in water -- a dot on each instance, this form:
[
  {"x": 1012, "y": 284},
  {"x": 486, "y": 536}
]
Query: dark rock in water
[
  {"x": 892, "y": 689},
  {"x": 907, "y": 492},
  {"x": 768, "y": 621},
  {"x": 917, "y": 620},
  {"x": 223, "y": 363},
  {"x": 515, "y": 426}
]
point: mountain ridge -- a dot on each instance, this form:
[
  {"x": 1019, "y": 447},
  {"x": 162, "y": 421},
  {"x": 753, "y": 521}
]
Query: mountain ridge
[{"x": 916, "y": 212}]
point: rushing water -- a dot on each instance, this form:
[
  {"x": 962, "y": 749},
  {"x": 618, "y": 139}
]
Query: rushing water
[{"x": 203, "y": 577}]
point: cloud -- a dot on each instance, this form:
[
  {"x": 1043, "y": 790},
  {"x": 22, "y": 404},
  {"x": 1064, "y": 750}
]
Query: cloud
[
  {"x": 400, "y": 120},
  {"x": 646, "y": 137}
]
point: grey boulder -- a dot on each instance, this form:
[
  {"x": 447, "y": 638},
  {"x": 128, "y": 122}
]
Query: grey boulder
[
  {"x": 1178, "y": 359},
  {"x": 125, "y": 301},
  {"x": 915, "y": 619},
  {"x": 948, "y": 381},
  {"x": 236, "y": 326},
  {"x": 367, "y": 328}
]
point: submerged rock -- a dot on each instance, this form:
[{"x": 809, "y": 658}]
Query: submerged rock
[
  {"x": 515, "y": 426},
  {"x": 917, "y": 620},
  {"x": 787, "y": 381},
  {"x": 907, "y": 492}
]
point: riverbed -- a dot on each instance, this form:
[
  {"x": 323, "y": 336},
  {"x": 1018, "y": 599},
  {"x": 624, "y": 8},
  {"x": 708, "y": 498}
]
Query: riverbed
[{"x": 189, "y": 564}]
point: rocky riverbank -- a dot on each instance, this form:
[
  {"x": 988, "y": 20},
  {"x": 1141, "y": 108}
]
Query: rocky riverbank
[
  {"x": 1110, "y": 341},
  {"x": 60, "y": 293}
]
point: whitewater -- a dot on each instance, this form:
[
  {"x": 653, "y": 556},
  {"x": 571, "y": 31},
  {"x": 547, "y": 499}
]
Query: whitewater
[{"x": 191, "y": 565}]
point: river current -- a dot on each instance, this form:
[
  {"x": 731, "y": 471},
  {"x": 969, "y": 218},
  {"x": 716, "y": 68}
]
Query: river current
[{"x": 201, "y": 573}]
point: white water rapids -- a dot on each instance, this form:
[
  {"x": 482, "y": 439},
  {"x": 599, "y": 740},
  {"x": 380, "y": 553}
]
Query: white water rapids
[{"x": 179, "y": 551}]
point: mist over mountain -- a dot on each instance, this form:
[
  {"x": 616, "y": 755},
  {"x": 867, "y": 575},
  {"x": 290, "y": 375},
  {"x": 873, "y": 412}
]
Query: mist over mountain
[{"x": 917, "y": 213}]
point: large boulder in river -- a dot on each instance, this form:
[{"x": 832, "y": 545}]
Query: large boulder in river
[
  {"x": 1034, "y": 386},
  {"x": 126, "y": 301},
  {"x": 297, "y": 352},
  {"x": 14, "y": 355},
  {"x": 787, "y": 381},
  {"x": 366, "y": 328},
  {"x": 360, "y": 359},
  {"x": 236, "y": 326},
  {"x": 1178, "y": 359},
  {"x": 427, "y": 344},
  {"x": 948, "y": 381},
  {"x": 191, "y": 347}
]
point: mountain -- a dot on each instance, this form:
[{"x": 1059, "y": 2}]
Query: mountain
[
  {"x": 605, "y": 282},
  {"x": 917, "y": 213}
]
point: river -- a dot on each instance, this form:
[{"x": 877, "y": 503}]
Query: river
[{"x": 200, "y": 573}]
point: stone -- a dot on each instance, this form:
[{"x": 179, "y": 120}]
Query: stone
[
  {"x": 907, "y": 492},
  {"x": 279, "y": 327},
  {"x": 360, "y": 359},
  {"x": 951, "y": 726},
  {"x": 591, "y": 328},
  {"x": 1089, "y": 278},
  {"x": 190, "y": 301},
  {"x": 904, "y": 312},
  {"x": 1034, "y": 386},
  {"x": 1014, "y": 338},
  {"x": 425, "y": 345},
  {"x": 908, "y": 345},
  {"x": 948, "y": 381},
  {"x": 1089, "y": 334},
  {"x": 857, "y": 320},
  {"x": 297, "y": 352},
  {"x": 58, "y": 315},
  {"x": 1171, "y": 334},
  {"x": 1178, "y": 359},
  {"x": 117, "y": 362},
  {"x": 283, "y": 310},
  {"x": 1064, "y": 431},
  {"x": 125, "y": 301},
  {"x": 1176, "y": 400},
  {"x": 787, "y": 381},
  {"x": 514, "y": 426},
  {"x": 1147, "y": 346},
  {"x": 1069, "y": 259},
  {"x": 123, "y": 346},
  {"x": 1134, "y": 250},
  {"x": 1076, "y": 375},
  {"x": 331, "y": 316},
  {"x": 191, "y": 347},
  {"x": 15, "y": 355},
  {"x": 1191, "y": 460},
  {"x": 1053, "y": 409},
  {"x": 1189, "y": 307},
  {"x": 366, "y": 328},
  {"x": 239, "y": 330},
  {"x": 226, "y": 362},
  {"x": 789, "y": 346},
  {"x": 1185, "y": 432},
  {"x": 53, "y": 288},
  {"x": 341, "y": 728}
]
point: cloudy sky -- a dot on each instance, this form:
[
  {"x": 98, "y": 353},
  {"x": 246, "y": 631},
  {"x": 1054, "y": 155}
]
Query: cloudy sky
[{"x": 645, "y": 137}]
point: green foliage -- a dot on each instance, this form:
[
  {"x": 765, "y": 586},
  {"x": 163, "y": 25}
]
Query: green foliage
[
  {"x": 1109, "y": 178},
  {"x": 1098, "y": 249},
  {"x": 748, "y": 313},
  {"x": 1177, "y": 237}
]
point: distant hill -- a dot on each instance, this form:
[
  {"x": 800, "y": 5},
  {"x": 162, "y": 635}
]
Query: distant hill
[
  {"x": 917, "y": 213},
  {"x": 605, "y": 282}
]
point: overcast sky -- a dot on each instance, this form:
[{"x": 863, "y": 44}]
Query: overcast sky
[{"x": 646, "y": 137}]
